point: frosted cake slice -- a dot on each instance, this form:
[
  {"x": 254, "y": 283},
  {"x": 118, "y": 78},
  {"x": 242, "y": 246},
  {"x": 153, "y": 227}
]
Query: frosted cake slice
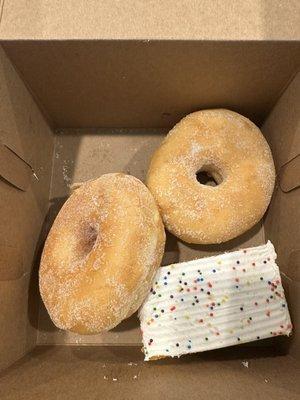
[{"x": 214, "y": 302}]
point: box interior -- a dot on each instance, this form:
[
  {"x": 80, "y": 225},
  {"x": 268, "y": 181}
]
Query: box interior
[{"x": 72, "y": 111}]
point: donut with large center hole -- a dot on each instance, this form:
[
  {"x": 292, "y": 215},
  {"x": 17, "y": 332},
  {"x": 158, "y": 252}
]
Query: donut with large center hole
[
  {"x": 227, "y": 152},
  {"x": 101, "y": 254}
]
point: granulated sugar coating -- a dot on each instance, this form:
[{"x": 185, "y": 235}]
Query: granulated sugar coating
[
  {"x": 234, "y": 152},
  {"x": 101, "y": 254}
]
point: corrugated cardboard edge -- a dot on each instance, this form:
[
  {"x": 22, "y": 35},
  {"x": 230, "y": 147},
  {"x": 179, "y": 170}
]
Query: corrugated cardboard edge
[{"x": 1, "y": 10}]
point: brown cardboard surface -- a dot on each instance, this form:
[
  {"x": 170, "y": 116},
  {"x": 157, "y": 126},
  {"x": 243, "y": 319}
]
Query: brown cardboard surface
[
  {"x": 16, "y": 333},
  {"x": 289, "y": 175},
  {"x": 282, "y": 125},
  {"x": 145, "y": 83},
  {"x": 11, "y": 262},
  {"x": 106, "y": 373},
  {"x": 152, "y": 84},
  {"x": 21, "y": 212},
  {"x": 85, "y": 154},
  {"x": 293, "y": 284},
  {"x": 151, "y": 19},
  {"x": 282, "y": 129}
]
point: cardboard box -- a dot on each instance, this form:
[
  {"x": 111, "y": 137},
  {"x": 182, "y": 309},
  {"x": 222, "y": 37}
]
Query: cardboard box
[{"x": 92, "y": 88}]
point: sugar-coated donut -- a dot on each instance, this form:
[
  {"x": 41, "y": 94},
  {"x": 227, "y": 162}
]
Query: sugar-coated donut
[
  {"x": 231, "y": 149},
  {"x": 101, "y": 254}
]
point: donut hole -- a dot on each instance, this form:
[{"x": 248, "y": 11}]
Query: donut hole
[
  {"x": 208, "y": 176},
  {"x": 88, "y": 237}
]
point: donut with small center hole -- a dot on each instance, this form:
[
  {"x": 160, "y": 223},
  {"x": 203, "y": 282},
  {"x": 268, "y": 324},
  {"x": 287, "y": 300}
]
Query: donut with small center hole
[
  {"x": 101, "y": 254},
  {"x": 233, "y": 152}
]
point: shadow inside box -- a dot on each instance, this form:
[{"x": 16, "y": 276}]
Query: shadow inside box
[
  {"x": 108, "y": 354},
  {"x": 34, "y": 296},
  {"x": 171, "y": 254},
  {"x": 246, "y": 351},
  {"x": 128, "y": 324},
  {"x": 133, "y": 354},
  {"x": 55, "y": 206},
  {"x": 45, "y": 323}
]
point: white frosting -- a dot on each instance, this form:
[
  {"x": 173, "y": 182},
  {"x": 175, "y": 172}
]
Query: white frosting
[{"x": 214, "y": 302}]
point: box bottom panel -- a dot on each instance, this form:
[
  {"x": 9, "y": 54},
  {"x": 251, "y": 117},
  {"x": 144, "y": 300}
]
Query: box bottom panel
[
  {"x": 87, "y": 154},
  {"x": 67, "y": 372}
]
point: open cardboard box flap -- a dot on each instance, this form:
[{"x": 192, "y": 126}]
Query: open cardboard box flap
[
  {"x": 81, "y": 84},
  {"x": 22, "y": 212},
  {"x": 289, "y": 175},
  {"x": 13, "y": 168}
]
